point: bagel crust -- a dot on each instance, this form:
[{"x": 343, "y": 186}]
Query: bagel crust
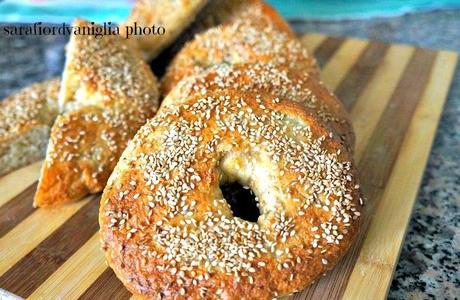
[
  {"x": 26, "y": 118},
  {"x": 241, "y": 40},
  {"x": 173, "y": 15},
  {"x": 167, "y": 231},
  {"x": 218, "y": 12},
  {"x": 279, "y": 81}
]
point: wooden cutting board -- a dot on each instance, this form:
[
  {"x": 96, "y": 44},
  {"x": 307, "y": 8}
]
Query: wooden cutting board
[{"x": 395, "y": 94}]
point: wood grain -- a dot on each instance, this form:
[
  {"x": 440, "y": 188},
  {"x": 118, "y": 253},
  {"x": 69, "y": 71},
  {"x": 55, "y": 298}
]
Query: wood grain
[
  {"x": 75, "y": 275},
  {"x": 369, "y": 106},
  {"x": 312, "y": 41},
  {"x": 29, "y": 233},
  {"x": 15, "y": 182},
  {"x": 339, "y": 65},
  {"x": 16, "y": 210},
  {"x": 332, "y": 285},
  {"x": 378, "y": 159},
  {"x": 358, "y": 76},
  {"x": 326, "y": 49},
  {"x": 382, "y": 245},
  {"x": 28, "y": 273},
  {"x": 395, "y": 94},
  {"x": 380, "y": 166}
]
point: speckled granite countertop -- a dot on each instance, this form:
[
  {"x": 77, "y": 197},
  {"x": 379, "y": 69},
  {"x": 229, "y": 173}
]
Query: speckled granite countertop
[{"x": 430, "y": 260}]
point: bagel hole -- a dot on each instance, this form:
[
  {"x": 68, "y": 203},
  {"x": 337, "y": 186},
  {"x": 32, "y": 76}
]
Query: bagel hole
[{"x": 242, "y": 201}]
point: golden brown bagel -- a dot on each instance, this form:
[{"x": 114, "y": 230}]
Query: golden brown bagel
[
  {"x": 276, "y": 80},
  {"x": 239, "y": 41},
  {"x": 107, "y": 93},
  {"x": 218, "y": 12},
  {"x": 26, "y": 118},
  {"x": 173, "y": 15},
  {"x": 168, "y": 233}
]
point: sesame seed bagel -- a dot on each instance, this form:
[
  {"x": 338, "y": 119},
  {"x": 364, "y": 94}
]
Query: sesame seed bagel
[
  {"x": 174, "y": 15},
  {"x": 107, "y": 93},
  {"x": 239, "y": 41},
  {"x": 26, "y": 118},
  {"x": 227, "y": 11},
  {"x": 167, "y": 231},
  {"x": 278, "y": 81}
]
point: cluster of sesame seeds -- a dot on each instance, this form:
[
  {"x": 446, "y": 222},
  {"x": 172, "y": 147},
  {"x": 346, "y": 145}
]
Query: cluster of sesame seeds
[
  {"x": 278, "y": 81},
  {"x": 123, "y": 94},
  {"x": 69, "y": 138},
  {"x": 284, "y": 227},
  {"x": 34, "y": 104},
  {"x": 117, "y": 220},
  {"x": 116, "y": 73},
  {"x": 240, "y": 41},
  {"x": 215, "y": 243},
  {"x": 258, "y": 77}
]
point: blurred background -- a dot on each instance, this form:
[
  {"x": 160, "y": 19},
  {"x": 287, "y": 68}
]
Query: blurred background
[{"x": 116, "y": 10}]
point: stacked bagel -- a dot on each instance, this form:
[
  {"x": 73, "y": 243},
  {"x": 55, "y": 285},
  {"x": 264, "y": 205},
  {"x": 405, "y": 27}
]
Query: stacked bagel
[{"x": 243, "y": 103}]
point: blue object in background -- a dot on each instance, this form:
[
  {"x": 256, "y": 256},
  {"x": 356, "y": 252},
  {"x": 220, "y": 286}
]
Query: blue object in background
[
  {"x": 58, "y": 11},
  {"x": 355, "y": 9}
]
